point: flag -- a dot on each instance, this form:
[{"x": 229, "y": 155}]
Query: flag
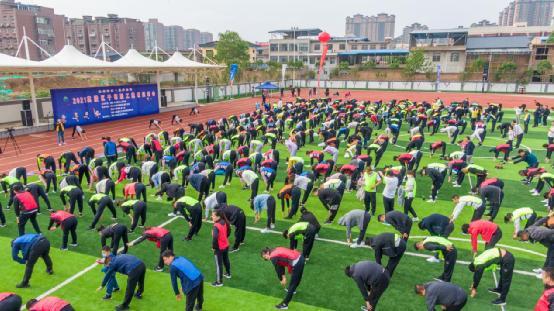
[{"x": 233, "y": 72}]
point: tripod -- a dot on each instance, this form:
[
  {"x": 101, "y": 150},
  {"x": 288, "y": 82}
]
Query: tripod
[{"x": 11, "y": 139}]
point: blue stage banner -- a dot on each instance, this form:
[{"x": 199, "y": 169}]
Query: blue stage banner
[{"x": 99, "y": 104}]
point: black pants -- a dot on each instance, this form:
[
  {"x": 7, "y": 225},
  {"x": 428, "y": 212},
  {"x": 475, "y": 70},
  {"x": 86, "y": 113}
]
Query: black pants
[
  {"x": 307, "y": 245},
  {"x": 120, "y": 235},
  {"x": 21, "y": 172},
  {"x": 196, "y": 220},
  {"x": 270, "y": 211},
  {"x": 221, "y": 259},
  {"x": 69, "y": 226},
  {"x": 295, "y": 279},
  {"x": 478, "y": 213},
  {"x": 240, "y": 229},
  {"x": 77, "y": 198},
  {"x": 254, "y": 189},
  {"x": 378, "y": 289},
  {"x": 494, "y": 239},
  {"x": 367, "y": 218},
  {"x": 370, "y": 202},
  {"x": 136, "y": 277},
  {"x": 394, "y": 261},
  {"x": 389, "y": 204},
  {"x": 139, "y": 213},
  {"x": 51, "y": 179},
  {"x": 2, "y": 216},
  {"x": 12, "y": 303},
  {"x": 506, "y": 271},
  {"x": 195, "y": 297},
  {"x": 166, "y": 242},
  {"x": 40, "y": 249},
  {"x": 457, "y": 307},
  {"x": 23, "y": 218},
  {"x": 307, "y": 193},
  {"x": 408, "y": 207},
  {"x": 140, "y": 190},
  {"x": 450, "y": 258},
  {"x": 98, "y": 213}
]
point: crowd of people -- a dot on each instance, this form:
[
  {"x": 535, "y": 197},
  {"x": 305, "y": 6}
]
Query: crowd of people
[{"x": 245, "y": 147}]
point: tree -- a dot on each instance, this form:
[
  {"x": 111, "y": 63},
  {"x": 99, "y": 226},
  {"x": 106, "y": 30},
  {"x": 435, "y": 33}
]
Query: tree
[
  {"x": 543, "y": 67},
  {"x": 415, "y": 63},
  {"x": 506, "y": 70},
  {"x": 231, "y": 49}
]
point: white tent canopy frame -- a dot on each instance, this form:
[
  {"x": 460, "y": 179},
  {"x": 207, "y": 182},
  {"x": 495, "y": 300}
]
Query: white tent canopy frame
[{"x": 69, "y": 59}]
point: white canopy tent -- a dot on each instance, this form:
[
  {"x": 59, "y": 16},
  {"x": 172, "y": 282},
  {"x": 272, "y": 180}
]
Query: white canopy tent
[{"x": 69, "y": 59}]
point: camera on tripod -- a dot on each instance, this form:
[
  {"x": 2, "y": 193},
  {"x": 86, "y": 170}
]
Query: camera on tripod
[{"x": 11, "y": 138}]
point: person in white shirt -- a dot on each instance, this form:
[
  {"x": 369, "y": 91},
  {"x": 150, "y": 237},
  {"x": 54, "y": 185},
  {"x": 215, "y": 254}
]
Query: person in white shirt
[
  {"x": 467, "y": 200},
  {"x": 452, "y": 131},
  {"x": 518, "y": 133},
  {"x": 391, "y": 184}
]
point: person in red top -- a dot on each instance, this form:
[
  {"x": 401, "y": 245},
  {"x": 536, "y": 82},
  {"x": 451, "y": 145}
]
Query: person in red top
[
  {"x": 438, "y": 145},
  {"x": 549, "y": 150},
  {"x": 293, "y": 260},
  {"x": 489, "y": 231},
  {"x": 315, "y": 155},
  {"x": 25, "y": 208},
  {"x": 68, "y": 222},
  {"x": 10, "y": 302},
  {"x": 220, "y": 245},
  {"x": 493, "y": 182},
  {"x": 49, "y": 304},
  {"x": 546, "y": 300},
  {"x": 504, "y": 148},
  {"x": 163, "y": 239},
  {"x": 135, "y": 189},
  {"x": 322, "y": 169}
]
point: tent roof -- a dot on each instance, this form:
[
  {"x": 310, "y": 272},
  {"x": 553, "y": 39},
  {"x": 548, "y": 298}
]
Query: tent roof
[
  {"x": 71, "y": 59},
  {"x": 178, "y": 60},
  {"x": 267, "y": 86}
]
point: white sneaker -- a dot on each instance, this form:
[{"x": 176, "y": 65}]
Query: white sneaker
[
  {"x": 535, "y": 194},
  {"x": 456, "y": 186},
  {"x": 159, "y": 198},
  {"x": 544, "y": 201},
  {"x": 430, "y": 201},
  {"x": 272, "y": 226},
  {"x": 355, "y": 245},
  {"x": 433, "y": 259},
  {"x": 538, "y": 270},
  {"x": 264, "y": 230},
  {"x": 222, "y": 186},
  {"x": 532, "y": 190},
  {"x": 415, "y": 219},
  {"x": 171, "y": 215}
]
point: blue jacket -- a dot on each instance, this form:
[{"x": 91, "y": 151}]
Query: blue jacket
[
  {"x": 187, "y": 272},
  {"x": 195, "y": 181},
  {"x": 24, "y": 244},
  {"x": 110, "y": 148},
  {"x": 123, "y": 264}
]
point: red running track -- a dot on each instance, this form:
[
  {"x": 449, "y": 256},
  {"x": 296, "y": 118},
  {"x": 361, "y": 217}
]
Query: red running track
[{"x": 137, "y": 127}]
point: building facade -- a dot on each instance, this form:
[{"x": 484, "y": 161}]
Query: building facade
[
  {"x": 121, "y": 34},
  {"x": 41, "y": 25},
  {"x": 174, "y": 38},
  {"x": 404, "y": 39},
  {"x": 154, "y": 34},
  {"x": 443, "y": 48},
  {"x": 527, "y": 12},
  {"x": 375, "y": 28}
]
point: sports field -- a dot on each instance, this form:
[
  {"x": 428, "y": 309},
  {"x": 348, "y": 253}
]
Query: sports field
[{"x": 254, "y": 285}]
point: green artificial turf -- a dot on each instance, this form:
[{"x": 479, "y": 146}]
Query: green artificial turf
[{"x": 254, "y": 285}]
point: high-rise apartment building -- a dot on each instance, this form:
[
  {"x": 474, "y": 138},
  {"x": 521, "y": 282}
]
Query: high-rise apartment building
[
  {"x": 375, "y": 28},
  {"x": 529, "y": 12},
  {"x": 154, "y": 34},
  {"x": 174, "y": 38},
  {"x": 41, "y": 25}
]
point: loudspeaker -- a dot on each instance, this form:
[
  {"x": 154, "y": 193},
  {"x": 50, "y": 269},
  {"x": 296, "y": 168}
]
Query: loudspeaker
[
  {"x": 26, "y": 104},
  {"x": 26, "y": 118}
]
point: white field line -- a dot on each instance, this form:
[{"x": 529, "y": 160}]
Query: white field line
[{"x": 87, "y": 269}]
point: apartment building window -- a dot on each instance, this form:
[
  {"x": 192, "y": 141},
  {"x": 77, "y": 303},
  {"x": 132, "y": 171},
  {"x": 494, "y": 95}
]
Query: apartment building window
[
  {"x": 373, "y": 46},
  {"x": 303, "y": 47},
  {"x": 342, "y": 46},
  {"x": 274, "y": 48},
  {"x": 317, "y": 47},
  {"x": 364, "y": 46},
  {"x": 283, "y": 47},
  {"x": 273, "y": 59},
  {"x": 542, "y": 53},
  {"x": 354, "y": 47},
  {"x": 330, "y": 46},
  {"x": 455, "y": 57},
  {"x": 42, "y": 20},
  {"x": 436, "y": 57}
]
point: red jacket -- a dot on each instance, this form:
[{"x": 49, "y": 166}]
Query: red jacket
[
  {"x": 222, "y": 240},
  {"x": 284, "y": 257},
  {"x": 543, "y": 304},
  {"x": 405, "y": 158},
  {"x": 481, "y": 227},
  {"x": 60, "y": 216},
  {"x": 155, "y": 234},
  {"x": 49, "y": 304},
  {"x": 5, "y": 295},
  {"x": 27, "y": 201}
]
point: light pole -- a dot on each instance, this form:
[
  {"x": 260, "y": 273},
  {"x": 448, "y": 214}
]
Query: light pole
[{"x": 294, "y": 53}]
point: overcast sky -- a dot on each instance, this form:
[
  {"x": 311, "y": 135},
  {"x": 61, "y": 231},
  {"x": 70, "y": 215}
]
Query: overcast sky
[{"x": 254, "y": 18}]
